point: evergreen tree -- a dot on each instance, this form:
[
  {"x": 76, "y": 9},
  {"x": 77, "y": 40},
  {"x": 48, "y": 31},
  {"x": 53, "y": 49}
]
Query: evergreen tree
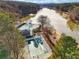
[{"x": 66, "y": 48}]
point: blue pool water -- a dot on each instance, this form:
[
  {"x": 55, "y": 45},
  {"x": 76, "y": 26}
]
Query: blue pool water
[{"x": 36, "y": 41}]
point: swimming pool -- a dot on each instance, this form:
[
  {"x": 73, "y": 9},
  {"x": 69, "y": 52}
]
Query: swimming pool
[{"x": 36, "y": 40}]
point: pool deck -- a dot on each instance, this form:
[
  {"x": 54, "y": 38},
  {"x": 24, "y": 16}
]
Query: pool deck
[{"x": 42, "y": 52}]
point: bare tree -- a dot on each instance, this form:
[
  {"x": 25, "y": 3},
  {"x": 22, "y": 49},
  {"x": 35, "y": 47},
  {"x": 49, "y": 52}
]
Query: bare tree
[
  {"x": 74, "y": 14},
  {"x": 44, "y": 21}
]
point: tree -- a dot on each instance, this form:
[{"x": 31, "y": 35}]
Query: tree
[
  {"x": 44, "y": 21},
  {"x": 3, "y": 52},
  {"x": 10, "y": 36},
  {"x": 74, "y": 14},
  {"x": 66, "y": 48}
]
